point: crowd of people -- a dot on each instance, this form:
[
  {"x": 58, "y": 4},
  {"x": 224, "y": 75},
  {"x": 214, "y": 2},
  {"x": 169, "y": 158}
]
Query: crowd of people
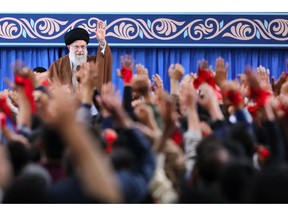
[{"x": 73, "y": 139}]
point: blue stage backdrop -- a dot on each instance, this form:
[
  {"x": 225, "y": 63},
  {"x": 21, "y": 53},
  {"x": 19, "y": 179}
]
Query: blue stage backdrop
[{"x": 155, "y": 40}]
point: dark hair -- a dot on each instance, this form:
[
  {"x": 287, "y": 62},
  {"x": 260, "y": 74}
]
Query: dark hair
[
  {"x": 270, "y": 188},
  {"x": 19, "y": 156},
  {"x": 53, "y": 143},
  {"x": 26, "y": 189},
  {"x": 241, "y": 133},
  {"x": 39, "y": 69},
  {"x": 208, "y": 162},
  {"x": 236, "y": 181},
  {"x": 140, "y": 85}
]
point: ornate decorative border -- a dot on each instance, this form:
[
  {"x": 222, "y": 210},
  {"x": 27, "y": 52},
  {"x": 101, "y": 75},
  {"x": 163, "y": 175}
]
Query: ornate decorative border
[{"x": 183, "y": 30}]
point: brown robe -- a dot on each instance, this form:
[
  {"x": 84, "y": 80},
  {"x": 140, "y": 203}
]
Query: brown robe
[{"x": 60, "y": 71}]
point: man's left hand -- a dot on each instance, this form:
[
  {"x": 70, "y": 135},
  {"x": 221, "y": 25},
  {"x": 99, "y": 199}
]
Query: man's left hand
[{"x": 101, "y": 32}]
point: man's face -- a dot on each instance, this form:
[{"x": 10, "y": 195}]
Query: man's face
[
  {"x": 78, "y": 52},
  {"x": 79, "y": 47}
]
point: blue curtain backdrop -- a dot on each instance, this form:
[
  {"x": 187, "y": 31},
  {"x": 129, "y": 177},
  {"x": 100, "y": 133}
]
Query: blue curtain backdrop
[{"x": 157, "y": 60}]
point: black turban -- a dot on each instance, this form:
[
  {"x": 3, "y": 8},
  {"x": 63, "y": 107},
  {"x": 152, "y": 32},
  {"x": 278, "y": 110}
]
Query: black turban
[{"x": 76, "y": 34}]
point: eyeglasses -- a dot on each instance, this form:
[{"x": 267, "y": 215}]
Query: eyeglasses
[{"x": 83, "y": 47}]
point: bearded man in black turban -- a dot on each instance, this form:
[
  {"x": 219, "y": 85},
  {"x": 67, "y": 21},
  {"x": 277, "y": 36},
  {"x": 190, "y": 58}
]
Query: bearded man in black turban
[{"x": 63, "y": 71}]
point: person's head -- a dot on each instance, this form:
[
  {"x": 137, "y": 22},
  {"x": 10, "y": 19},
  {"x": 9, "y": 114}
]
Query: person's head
[
  {"x": 29, "y": 188},
  {"x": 53, "y": 143},
  {"x": 212, "y": 156},
  {"x": 40, "y": 74},
  {"x": 19, "y": 156},
  {"x": 39, "y": 69},
  {"x": 240, "y": 133},
  {"x": 236, "y": 181},
  {"x": 76, "y": 41},
  {"x": 140, "y": 86}
]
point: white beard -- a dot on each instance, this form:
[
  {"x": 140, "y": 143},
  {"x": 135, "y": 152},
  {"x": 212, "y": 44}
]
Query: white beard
[{"x": 77, "y": 59}]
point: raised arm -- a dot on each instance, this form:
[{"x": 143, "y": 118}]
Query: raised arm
[
  {"x": 103, "y": 57},
  {"x": 95, "y": 172}
]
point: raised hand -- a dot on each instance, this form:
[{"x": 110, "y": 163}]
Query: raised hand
[
  {"x": 252, "y": 79},
  {"x": 141, "y": 70},
  {"x": 189, "y": 78},
  {"x": 110, "y": 103},
  {"x": 142, "y": 74},
  {"x": 61, "y": 109},
  {"x": 231, "y": 91},
  {"x": 189, "y": 95},
  {"x": 176, "y": 71},
  {"x": 262, "y": 75},
  {"x": 158, "y": 84},
  {"x": 126, "y": 71},
  {"x": 221, "y": 71},
  {"x": 127, "y": 61},
  {"x": 208, "y": 99},
  {"x": 168, "y": 112},
  {"x": 276, "y": 85},
  {"x": 145, "y": 115},
  {"x": 21, "y": 70},
  {"x": 204, "y": 65},
  {"x": 88, "y": 78},
  {"x": 109, "y": 100},
  {"x": 243, "y": 79},
  {"x": 14, "y": 97},
  {"x": 257, "y": 93},
  {"x": 101, "y": 32}
]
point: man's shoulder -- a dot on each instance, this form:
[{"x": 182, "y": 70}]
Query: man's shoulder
[
  {"x": 59, "y": 63},
  {"x": 61, "y": 60}
]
